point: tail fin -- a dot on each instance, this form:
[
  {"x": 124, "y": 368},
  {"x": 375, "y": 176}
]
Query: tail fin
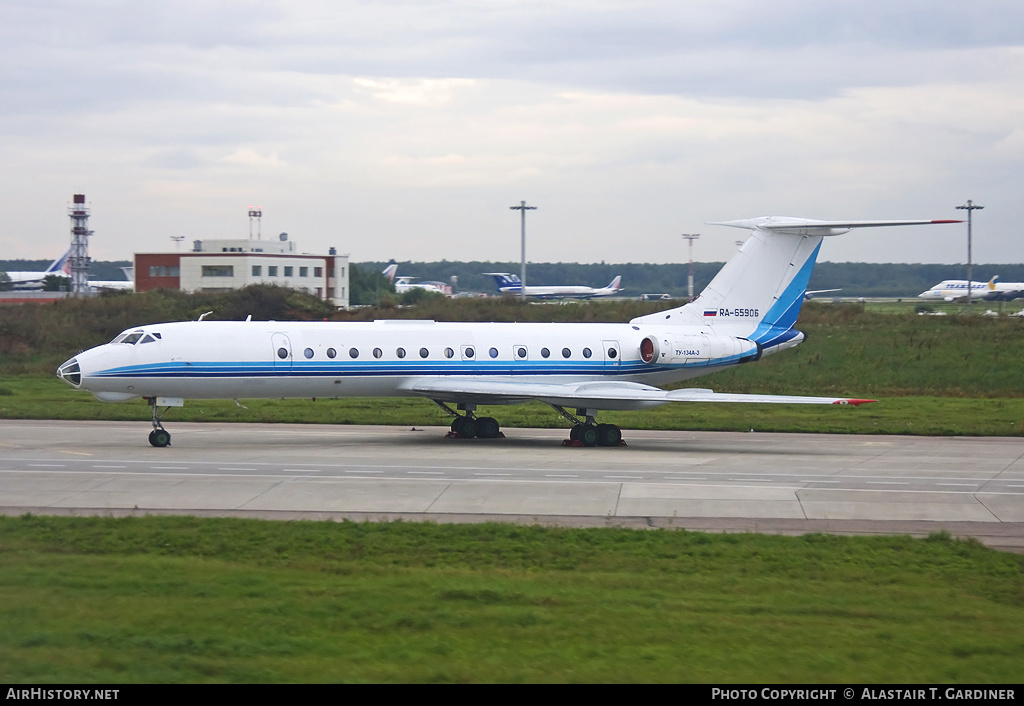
[
  {"x": 61, "y": 264},
  {"x": 615, "y": 283},
  {"x": 758, "y": 294},
  {"x": 390, "y": 271},
  {"x": 505, "y": 281}
]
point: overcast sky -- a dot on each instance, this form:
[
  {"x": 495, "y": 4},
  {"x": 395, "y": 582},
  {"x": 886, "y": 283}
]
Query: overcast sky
[{"x": 406, "y": 130}]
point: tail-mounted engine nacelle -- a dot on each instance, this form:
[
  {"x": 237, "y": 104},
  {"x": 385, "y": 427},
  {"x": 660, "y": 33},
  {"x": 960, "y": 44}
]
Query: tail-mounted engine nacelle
[{"x": 698, "y": 349}]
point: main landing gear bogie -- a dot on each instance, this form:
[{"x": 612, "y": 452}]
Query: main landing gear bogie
[
  {"x": 467, "y": 427},
  {"x": 588, "y": 434}
]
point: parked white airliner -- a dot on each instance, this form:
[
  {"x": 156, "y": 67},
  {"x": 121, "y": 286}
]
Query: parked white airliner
[
  {"x": 61, "y": 267},
  {"x": 407, "y": 283},
  {"x": 952, "y": 290},
  {"x": 511, "y": 284},
  {"x": 748, "y": 310}
]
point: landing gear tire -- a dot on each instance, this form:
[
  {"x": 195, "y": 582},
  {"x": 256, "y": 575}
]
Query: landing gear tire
[
  {"x": 608, "y": 435},
  {"x": 588, "y": 435},
  {"x": 574, "y": 433},
  {"x": 487, "y": 428},
  {"x": 159, "y": 438},
  {"x": 466, "y": 427}
]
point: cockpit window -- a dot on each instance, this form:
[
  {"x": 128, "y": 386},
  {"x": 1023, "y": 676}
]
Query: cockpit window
[{"x": 130, "y": 339}]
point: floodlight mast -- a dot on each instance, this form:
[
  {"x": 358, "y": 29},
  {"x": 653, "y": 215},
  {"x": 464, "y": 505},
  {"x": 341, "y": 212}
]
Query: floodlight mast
[
  {"x": 689, "y": 282},
  {"x": 79, "y": 260},
  {"x": 970, "y": 207},
  {"x": 523, "y": 208}
]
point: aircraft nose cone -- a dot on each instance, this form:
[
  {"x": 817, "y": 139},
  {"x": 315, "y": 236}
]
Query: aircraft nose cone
[{"x": 71, "y": 373}]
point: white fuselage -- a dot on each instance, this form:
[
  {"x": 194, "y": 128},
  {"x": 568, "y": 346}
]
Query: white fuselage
[
  {"x": 560, "y": 292},
  {"x": 214, "y": 360}
]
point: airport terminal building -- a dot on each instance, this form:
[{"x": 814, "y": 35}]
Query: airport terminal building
[{"x": 222, "y": 265}]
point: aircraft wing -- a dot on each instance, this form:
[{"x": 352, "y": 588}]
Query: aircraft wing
[{"x": 590, "y": 395}]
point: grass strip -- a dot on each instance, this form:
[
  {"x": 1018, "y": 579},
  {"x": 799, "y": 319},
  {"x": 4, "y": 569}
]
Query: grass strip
[{"x": 169, "y": 599}]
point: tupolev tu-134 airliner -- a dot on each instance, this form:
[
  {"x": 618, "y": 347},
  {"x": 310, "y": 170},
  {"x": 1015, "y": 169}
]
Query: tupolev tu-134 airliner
[{"x": 747, "y": 311}]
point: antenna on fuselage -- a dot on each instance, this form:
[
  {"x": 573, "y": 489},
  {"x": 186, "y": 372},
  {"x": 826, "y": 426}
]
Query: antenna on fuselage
[{"x": 204, "y": 315}]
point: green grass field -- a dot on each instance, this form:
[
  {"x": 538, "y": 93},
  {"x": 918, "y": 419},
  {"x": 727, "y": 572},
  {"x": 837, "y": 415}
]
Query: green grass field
[{"x": 143, "y": 600}]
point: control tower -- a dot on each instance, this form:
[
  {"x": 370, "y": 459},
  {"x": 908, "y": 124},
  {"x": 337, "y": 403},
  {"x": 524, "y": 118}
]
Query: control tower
[{"x": 78, "y": 259}]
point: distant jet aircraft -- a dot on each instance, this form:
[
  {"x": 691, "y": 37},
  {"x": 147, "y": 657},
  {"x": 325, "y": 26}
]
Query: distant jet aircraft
[
  {"x": 747, "y": 311},
  {"x": 106, "y": 285},
  {"x": 511, "y": 284},
  {"x": 405, "y": 283},
  {"x": 952, "y": 290},
  {"x": 60, "y": 267}
]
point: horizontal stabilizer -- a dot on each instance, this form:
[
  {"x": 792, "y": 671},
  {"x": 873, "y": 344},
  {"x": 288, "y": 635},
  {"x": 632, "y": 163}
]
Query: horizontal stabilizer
[{"x": 808, "y": 226}]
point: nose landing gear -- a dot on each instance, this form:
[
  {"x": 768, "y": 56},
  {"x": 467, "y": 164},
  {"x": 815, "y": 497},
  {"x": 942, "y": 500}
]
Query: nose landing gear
[{"x": 159, "y": 437}]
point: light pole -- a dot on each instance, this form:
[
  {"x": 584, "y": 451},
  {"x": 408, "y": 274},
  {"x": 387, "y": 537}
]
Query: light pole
[
  {"x": 689, "y": 282},
  {"x": 523, "y": 208},
  {"x": 970, "y": 207}
]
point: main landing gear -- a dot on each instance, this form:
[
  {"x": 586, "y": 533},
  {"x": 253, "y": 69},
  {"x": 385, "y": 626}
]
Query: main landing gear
[
  {"x": 466, "y": 426},
  {"x": 587, "y": 432},
  {"x": 159, "y": 437}
]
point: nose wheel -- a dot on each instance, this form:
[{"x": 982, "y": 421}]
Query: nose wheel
[{"x": 159, "y": 437}]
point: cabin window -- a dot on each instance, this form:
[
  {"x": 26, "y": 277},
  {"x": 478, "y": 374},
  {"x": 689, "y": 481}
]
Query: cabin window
[
  {"x": 612, "y": 353},
  {"x": 308, "y": 352},
  {"x": 470, "y": 352},
  {"x": 520, "y": 352},
  {"x": 331, "y": 353},
  {"x": 424, "y": 352},
  {"x": 353, "y": 352},
  {"x": 448, "y": 353},
  {"x": 587, "y": 353},
  {"x": 493, "y": 352},
  {"x": 400, "y": 352},
  {"x": 566, "y": 352},
  {"x": 545, "y": 353},
  {"x": 377, "y": 352},
  {"x": 282, "y": 353}
]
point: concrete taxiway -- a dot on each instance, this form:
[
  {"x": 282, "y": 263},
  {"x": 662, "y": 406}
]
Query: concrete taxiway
[{"x": 718, "y": 481}]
